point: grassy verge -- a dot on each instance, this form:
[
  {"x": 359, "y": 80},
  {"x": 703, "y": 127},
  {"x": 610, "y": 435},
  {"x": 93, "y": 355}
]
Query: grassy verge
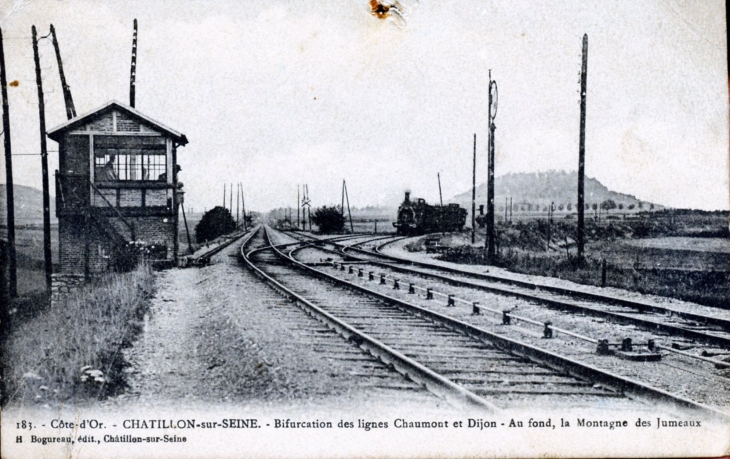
[{"x": 73, "y": 350}]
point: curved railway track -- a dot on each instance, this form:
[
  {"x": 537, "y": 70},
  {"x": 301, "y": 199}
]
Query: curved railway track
[
  {"x": 670, "y": 323},
  {"x": 638, "y": 306},
  {"x": 203, "y": 259},
  {"x": 450, "y": 357}
]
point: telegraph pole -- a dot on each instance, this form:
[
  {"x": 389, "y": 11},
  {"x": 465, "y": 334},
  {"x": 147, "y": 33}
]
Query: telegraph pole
[
  {"x": 490, "y": 177},
  {"x": 230, "y": 202},
  {"x": 224, "y": 195},
  {"x": 187, "y": 231},
  {"x": 238, "y": 196},
  {"x": 70, "y": 109},
  {"x": 347, "y": 195},
  {"x": 12, "y": 267},
  {"x": 582, "y": 146},
  {"x": 441, "y": 200},
  {"x": 133, "y": 71},
  {"x": 309, "y": 210},
  {"x": 243, "y": 204},
  {"x": 474, "y": 193},
  {"x": 299, "y": 204},
  {"x": 44, "y": 165}
]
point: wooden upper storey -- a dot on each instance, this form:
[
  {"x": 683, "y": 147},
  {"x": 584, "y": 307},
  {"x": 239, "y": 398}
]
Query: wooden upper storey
[{"x": 115, "y": 156}]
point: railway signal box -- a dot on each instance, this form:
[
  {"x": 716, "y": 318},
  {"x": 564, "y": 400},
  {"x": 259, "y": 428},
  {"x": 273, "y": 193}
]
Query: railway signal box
[{"x": 117, "y": 191}]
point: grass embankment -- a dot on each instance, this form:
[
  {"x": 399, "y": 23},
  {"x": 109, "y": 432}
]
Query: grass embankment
[{"x": 73, "y": 351}]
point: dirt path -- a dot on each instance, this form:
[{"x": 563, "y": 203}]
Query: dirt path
[{"x": 218, "y": 335}]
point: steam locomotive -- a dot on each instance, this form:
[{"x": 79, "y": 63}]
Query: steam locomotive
[{"x": 417, "y": 217}]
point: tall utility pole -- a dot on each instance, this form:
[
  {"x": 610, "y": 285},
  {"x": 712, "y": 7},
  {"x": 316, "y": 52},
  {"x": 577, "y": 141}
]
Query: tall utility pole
[
  {"x": 224, "y": 195},
  {"x": 44, "y": 165},
  {"x": 582, "y": 146},
  {"x": 304, "y": 207},
  {"x": 441, "y": 201},
  {"x": 70, "y": 109},
  {"x": 243, "y": 206},
  {"x": 549, "y": 224},
  {"x": 490, "y": 177},
  {"x": 309, "y": 211},
  {"x": 230, "y": 202},
  {"x": 347, "y": 195},
  {"x": 133, "y": 71},
  {"x": 342, "y": 201},
  {"x": 238, "y": 196},
  {"x": 299, "y": 205},
  {"x": 12, "y": 267},
  {"x": 187, "y": 230},
  {"x": 474, "y": 193}
]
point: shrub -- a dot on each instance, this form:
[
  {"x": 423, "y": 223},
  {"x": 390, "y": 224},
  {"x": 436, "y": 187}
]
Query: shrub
[
  {"x": 216, "y": 222},
  {"x": 329, "y": 219}
]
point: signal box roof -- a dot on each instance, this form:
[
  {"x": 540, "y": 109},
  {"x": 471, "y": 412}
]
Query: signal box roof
[{"x": 86, "y": 118}]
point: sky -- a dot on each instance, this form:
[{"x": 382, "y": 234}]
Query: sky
[{"x": 280, "y": 93}]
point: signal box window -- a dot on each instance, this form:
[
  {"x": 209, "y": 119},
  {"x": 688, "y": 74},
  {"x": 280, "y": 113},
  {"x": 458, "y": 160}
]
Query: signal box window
[
  {"x": 111, "y": 167},
  {"x": 129, "y": 158}
]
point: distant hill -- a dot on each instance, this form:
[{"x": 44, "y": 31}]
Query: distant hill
[
  {"x": 541, "y": 188},
  {"x": 28, "y": 206}
]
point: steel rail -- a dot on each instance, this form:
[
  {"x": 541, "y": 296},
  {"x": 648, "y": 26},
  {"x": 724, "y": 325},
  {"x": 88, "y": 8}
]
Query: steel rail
[
  {"x": 476, "y": 306},
  {"x": 393, "y": 239},
  {"x": 205, "y": 257},
  {"x": 546, "y": 325},
  {"x": 565, "y": 304},
  {"x": 670, "y": 329},
  {"x": 640, "y": 306},
  {"x": 338, "y": 238},
  {"x": 404, "y": 365},
  {"x": 571, "y": 367}
]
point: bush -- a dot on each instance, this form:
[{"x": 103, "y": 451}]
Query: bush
[
  {"x": 74, "y": 350},
  {"x": 216, "y": 222},
  {"x": 329, "y": 219}
]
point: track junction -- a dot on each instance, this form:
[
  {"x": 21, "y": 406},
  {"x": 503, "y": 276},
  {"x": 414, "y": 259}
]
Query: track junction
[{"x": 491, "y": 342}]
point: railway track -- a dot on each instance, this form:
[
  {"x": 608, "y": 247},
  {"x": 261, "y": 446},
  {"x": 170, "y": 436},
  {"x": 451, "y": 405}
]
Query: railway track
[
  {"x": 204, "y": 258},
  {"x": 670, "y": 323},
  {"x": 450, "y": 357},
  {"x": 577, "y": 294}
]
